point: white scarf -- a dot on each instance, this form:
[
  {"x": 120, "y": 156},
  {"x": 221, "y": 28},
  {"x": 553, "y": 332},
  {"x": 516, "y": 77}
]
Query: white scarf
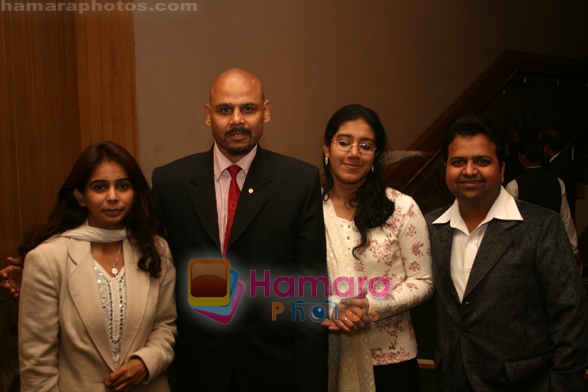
[
  {"x": 94, "y": 234},
  {"x": 350, "y": 358}
]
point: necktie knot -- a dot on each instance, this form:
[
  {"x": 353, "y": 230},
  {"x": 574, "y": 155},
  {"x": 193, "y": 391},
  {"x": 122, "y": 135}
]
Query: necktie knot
[{"x": 233, "y": 170}]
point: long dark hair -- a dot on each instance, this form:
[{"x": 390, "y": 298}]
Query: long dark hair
[
  {"x": 373, "y": 208},
  {"x": 142, "y": 223}
]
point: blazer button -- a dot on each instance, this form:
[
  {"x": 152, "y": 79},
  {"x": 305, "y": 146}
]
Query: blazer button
[{"x": 464, "y": 333}]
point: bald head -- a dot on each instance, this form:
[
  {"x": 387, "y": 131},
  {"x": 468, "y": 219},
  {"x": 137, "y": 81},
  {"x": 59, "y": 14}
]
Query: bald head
[
  {"x": 236, "y": 77},
  {"x": 236, "y": 112}
]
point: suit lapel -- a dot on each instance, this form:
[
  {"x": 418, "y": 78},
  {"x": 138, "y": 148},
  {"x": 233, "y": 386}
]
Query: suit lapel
[
  {"x": 203, "y": 196},
  {"x": 138, "y": 286},
  {"x": 441, "y": 249},
  {"x": 86, "y": 297},
  {"x": 495, "y": 242},
  {"x": 254, "y": 194}
]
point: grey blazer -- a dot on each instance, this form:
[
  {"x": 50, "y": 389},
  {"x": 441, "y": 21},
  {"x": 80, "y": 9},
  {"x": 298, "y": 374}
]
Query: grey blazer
[{"x": 522, "y": 325}]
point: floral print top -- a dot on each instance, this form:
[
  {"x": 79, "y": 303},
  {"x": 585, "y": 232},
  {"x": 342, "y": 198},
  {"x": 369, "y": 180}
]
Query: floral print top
[{"x": 399, "y": 255}]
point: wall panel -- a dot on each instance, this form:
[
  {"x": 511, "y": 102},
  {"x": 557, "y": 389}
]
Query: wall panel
[
  {"x": 106, "y": 77},
  {"x": 66, "y": 80}
]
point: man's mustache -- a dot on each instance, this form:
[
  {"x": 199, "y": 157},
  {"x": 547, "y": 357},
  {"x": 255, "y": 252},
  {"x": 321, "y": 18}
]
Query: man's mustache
[{"x": 238, "y": 130}]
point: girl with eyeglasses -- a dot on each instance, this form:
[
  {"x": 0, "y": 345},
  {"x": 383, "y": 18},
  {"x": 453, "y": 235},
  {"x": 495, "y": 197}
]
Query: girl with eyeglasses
[{"x": 377, "y": 240}]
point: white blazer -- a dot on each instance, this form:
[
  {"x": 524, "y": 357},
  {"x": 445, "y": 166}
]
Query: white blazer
[{"x": 63, "y": 341}]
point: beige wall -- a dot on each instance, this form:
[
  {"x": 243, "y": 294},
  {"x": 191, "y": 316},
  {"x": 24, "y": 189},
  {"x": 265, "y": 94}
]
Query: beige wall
[{"x": 408, "y": 60}]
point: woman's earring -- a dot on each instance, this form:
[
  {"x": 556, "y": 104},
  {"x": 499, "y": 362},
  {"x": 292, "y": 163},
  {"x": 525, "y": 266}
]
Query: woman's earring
[
  {"x": 326, "y": 160},
  {"x": 372, "y": 168}
]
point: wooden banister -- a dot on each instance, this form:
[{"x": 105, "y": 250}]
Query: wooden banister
[{"x": 477, "y": 96}]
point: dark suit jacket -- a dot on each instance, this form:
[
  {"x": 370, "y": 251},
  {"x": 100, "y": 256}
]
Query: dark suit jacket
[
  {"x": 278, "y": 227},
  {"x": 522, "y": 325}
]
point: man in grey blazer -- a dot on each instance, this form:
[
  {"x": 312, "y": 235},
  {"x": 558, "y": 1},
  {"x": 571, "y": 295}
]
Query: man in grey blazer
[{"x": 511, "y": 310}]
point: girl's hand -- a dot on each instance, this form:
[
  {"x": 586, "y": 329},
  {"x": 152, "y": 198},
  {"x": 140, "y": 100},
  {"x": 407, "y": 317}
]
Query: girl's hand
[
  {"x": 128, "y": 376},
  {"x": 352, "y": 316}
]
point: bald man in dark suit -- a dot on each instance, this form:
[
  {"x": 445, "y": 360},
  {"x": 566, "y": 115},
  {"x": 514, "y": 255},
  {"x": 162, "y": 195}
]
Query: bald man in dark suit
[{"x": 278, "y": 227}]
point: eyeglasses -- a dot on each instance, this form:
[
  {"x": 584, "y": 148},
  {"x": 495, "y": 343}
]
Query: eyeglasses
[{"x": 345, "y": 145}]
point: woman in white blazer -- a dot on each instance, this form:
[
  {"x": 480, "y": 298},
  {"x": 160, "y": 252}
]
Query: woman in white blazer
[{"x": 97, "y": 308}]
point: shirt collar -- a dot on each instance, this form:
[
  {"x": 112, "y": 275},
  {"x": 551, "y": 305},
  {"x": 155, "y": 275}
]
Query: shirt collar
[
  {"x": 221, "y": 162},
  {"x": 553, "y": 157},
  {"x": 503, "y": 208}
]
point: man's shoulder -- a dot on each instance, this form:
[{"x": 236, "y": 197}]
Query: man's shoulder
[
  {"x": 536, "y": 172},
  {"x": 284, "y": 159},
  {"x": 187, "y": 161},
  {"x": 537, "y": 220},
  {"x": 432, "y": 215},
  {"x": 534, "y": 212},
  {"x": 178, "y": 169},
  {"x": 511, "y": 184},
  {"x": 281, "y": 162},
  {"x": 563, "y": 160}
]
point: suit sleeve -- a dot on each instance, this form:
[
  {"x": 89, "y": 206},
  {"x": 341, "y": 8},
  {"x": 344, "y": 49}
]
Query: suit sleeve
[
  {"x": 513, "y": 188},
  {"x": 567, "y": 307},
  {"x": 38, "y": 326},
  {"x": 311, "y": 339},
  {"x": 566, "y": 216},
  {"x": 158, "y": 353},
  {"x": 311, "y": 243}
]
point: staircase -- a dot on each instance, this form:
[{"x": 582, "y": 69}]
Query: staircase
[
  {"x": 522, "y": 94},
  {"x": 578, "y": 145}
]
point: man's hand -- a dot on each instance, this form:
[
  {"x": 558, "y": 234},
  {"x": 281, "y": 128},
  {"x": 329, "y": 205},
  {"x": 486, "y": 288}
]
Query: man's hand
[
  {"x": 11, "y": 277},
  {"x": 426, "y": 155},
  {"x": 128, "y": 376}
]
